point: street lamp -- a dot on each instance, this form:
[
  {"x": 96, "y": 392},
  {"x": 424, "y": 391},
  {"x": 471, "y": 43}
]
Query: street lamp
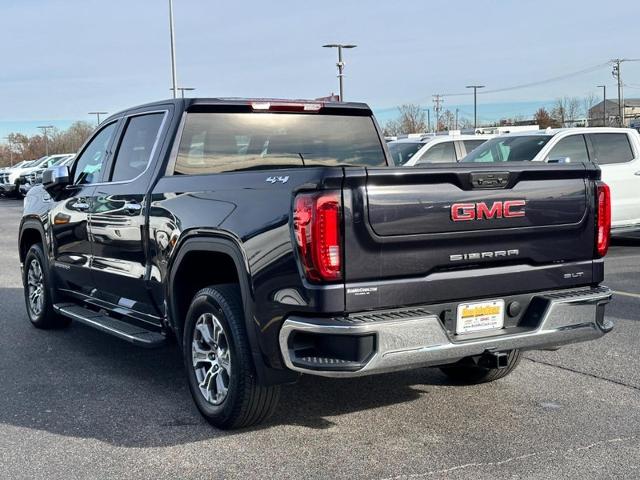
[
  {"x": 97, "y": 114},
  {"x": 183, "y": 89},
  {"x": 46, "y": 140},
  {"x": 340, "y": 64},
  {"x": 604, "y": 104},
  {"x": 174, "y": 77},
  {"x": 475, "y": 103}
]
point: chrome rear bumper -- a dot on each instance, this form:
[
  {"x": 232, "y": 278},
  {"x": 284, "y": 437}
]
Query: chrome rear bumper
[{"x": 416, "y": 338}]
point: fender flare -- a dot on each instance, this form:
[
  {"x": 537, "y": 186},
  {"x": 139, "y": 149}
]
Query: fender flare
[
  {"x": 30, "y": 223},
  {"x": 216, "y": 243},
  {"x": 34, "y": 223}
]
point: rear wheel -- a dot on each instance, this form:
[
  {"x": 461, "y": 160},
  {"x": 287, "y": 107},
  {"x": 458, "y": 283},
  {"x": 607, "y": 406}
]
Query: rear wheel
[
  {"x": 218, "y": 360},
  {"x": 37, "y": 291},
  {"x": 468, "y": 372}
]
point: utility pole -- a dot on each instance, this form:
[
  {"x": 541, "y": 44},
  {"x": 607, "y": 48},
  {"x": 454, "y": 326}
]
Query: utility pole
[
  {"x": 340, "y": 64},
  {"x": 456, "y": 119},
  {"x": 46, "y": 139},
  {"x": 437, "y": 107},
  {"x": 174, "y": 77},
  {"x": 97, "y": 114},
  {"x": 475, "y": 103},
  {"x": 604, "y": 104},
  {"x": 429, "y": 120},
  {"x": 618, "y": 76}
]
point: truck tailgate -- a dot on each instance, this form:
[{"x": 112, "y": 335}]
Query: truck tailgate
[{"x": 419, "y": 236}]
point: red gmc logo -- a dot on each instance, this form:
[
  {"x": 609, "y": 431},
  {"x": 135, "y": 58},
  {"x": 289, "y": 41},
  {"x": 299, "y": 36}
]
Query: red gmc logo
[{"x": 464, "y": 212}]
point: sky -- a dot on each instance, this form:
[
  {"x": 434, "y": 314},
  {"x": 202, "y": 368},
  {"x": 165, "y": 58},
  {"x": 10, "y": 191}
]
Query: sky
[{"x": 63, "y": 58}]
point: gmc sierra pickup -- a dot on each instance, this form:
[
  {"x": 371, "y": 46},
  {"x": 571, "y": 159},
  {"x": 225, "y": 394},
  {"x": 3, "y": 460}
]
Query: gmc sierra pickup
[{"x": 274, "y": 238}]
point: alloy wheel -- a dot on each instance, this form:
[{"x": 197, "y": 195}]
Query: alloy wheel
[
  {"x": 35, "y": 287},
  {"x": 211, "y": 358}
]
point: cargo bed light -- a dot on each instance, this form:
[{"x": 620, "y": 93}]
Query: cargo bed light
[{"x": 286, "y": 106}]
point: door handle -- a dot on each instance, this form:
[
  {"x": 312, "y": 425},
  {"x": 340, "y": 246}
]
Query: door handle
[
  {"x": 132, "y": 207},
  {"x": 637, "y": 173}
]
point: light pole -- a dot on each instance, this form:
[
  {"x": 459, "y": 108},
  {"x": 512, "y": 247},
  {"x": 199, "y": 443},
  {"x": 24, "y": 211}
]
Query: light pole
[
  {"x": 183, "y": 89},
  {"x": 174, "y": 77},
  {"x": 46, "y": 140},
  {"x": 97, "y": 114},
  {"x": 340, "y": 64},
  {"x": 604, "y": 104},
  {"x": 475, "y": 103}
]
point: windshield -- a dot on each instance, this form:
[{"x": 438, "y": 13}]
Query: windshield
[
  {"x": 509, "y": 149},
  {"x": 401, "y": 152},
  {"x": 39, "y": 162},
  {"x": 60, "y": 161},
  {"x": 223, "y": 142}
]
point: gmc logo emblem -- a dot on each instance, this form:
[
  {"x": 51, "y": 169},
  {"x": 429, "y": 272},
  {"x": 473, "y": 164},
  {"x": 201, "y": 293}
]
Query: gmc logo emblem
[{"x": 465, "y": 212}]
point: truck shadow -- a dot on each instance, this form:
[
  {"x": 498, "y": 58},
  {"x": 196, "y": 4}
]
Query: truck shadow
[{"x": 79, "y": 382}]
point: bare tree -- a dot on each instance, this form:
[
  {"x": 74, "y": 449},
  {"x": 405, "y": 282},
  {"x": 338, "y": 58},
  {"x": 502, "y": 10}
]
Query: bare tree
[
  {"x": 544, "y": 119},
  {"x": 447, "y": 120},
  {"x": 411, "y": 119},
  {"x": 588, "y": 102},
  {"x": 566, "y": 110},
  {"x": 25, "y": 147}
]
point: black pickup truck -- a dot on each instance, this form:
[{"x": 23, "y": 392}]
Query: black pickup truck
[{"x": 275, "y": 238}]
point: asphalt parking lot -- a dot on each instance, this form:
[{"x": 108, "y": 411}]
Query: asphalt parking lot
[{"x": 76, "y": 403}]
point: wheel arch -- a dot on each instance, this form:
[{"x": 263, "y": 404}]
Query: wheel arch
[
  {"x": 195, "y": 251},
  {"x": 31, "y": 232}
]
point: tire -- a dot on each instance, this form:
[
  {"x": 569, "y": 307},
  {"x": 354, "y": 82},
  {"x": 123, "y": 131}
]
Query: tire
[
  {"x": 37, "y": 291},
  {"x": 467, "y": 372},
  {"x": 219, "y": 364}
]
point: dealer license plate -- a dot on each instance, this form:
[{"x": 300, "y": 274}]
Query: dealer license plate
[{"x": 479, "y": 316}]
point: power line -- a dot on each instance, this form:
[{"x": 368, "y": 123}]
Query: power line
[{"x": 536, "y": 83}]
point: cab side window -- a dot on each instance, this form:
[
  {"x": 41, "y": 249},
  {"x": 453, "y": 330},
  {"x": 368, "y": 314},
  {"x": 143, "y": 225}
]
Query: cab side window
[
  {"x": 89, "y": 163},
  {"x": 440, "y": 153},
  {"x": 471, "y": 145},
  {"x": 572, "y": 147},
  {"x": 134, "y": 152},
  {"x": 611, "y": 148}
]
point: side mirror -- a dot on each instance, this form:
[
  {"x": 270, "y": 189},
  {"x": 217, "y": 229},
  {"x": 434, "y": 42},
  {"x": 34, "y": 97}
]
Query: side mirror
[
  {"x": 559, "y": 160},
  {"x": 55, "y": 179}
]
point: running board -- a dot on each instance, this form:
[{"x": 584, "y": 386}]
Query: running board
[{"x": 123, "y": 330}]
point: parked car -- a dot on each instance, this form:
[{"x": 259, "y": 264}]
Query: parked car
[
  {"x": 431, "y": 148},
  {"x": 9, "y": 177},
  {"x": 615, "y": 150},
  {"x": 11, "y": 180},
  {"x": 274, "y": 238},
  {"x": 33, "y": 177}
]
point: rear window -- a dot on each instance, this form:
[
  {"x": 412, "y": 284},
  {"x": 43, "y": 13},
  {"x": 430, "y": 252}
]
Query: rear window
[
  {"x": 401, "y": 152},
  {"x": 225, "y": 142},
  {"x": 611, "y": 148},
  {"x": 509, "y": 149}
]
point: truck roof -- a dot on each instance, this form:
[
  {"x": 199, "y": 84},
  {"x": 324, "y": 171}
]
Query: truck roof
[
  {"x": 187, "y": 103},
  {"x": 577, "y": 130}
]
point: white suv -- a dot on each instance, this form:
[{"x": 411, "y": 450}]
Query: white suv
[
  {"x": 615, "y": 150},
  {"x": 430, "y": 148}
]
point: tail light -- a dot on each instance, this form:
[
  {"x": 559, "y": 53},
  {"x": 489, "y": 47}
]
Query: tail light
[
  {"x": 316, "y": 223},
  {"x": 603, "y": 232}
]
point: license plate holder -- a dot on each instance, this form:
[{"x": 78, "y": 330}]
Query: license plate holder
[{"x": 480, "y": 316}]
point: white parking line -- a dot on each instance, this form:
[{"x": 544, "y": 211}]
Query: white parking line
[{"x": 626, "y": 294}]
